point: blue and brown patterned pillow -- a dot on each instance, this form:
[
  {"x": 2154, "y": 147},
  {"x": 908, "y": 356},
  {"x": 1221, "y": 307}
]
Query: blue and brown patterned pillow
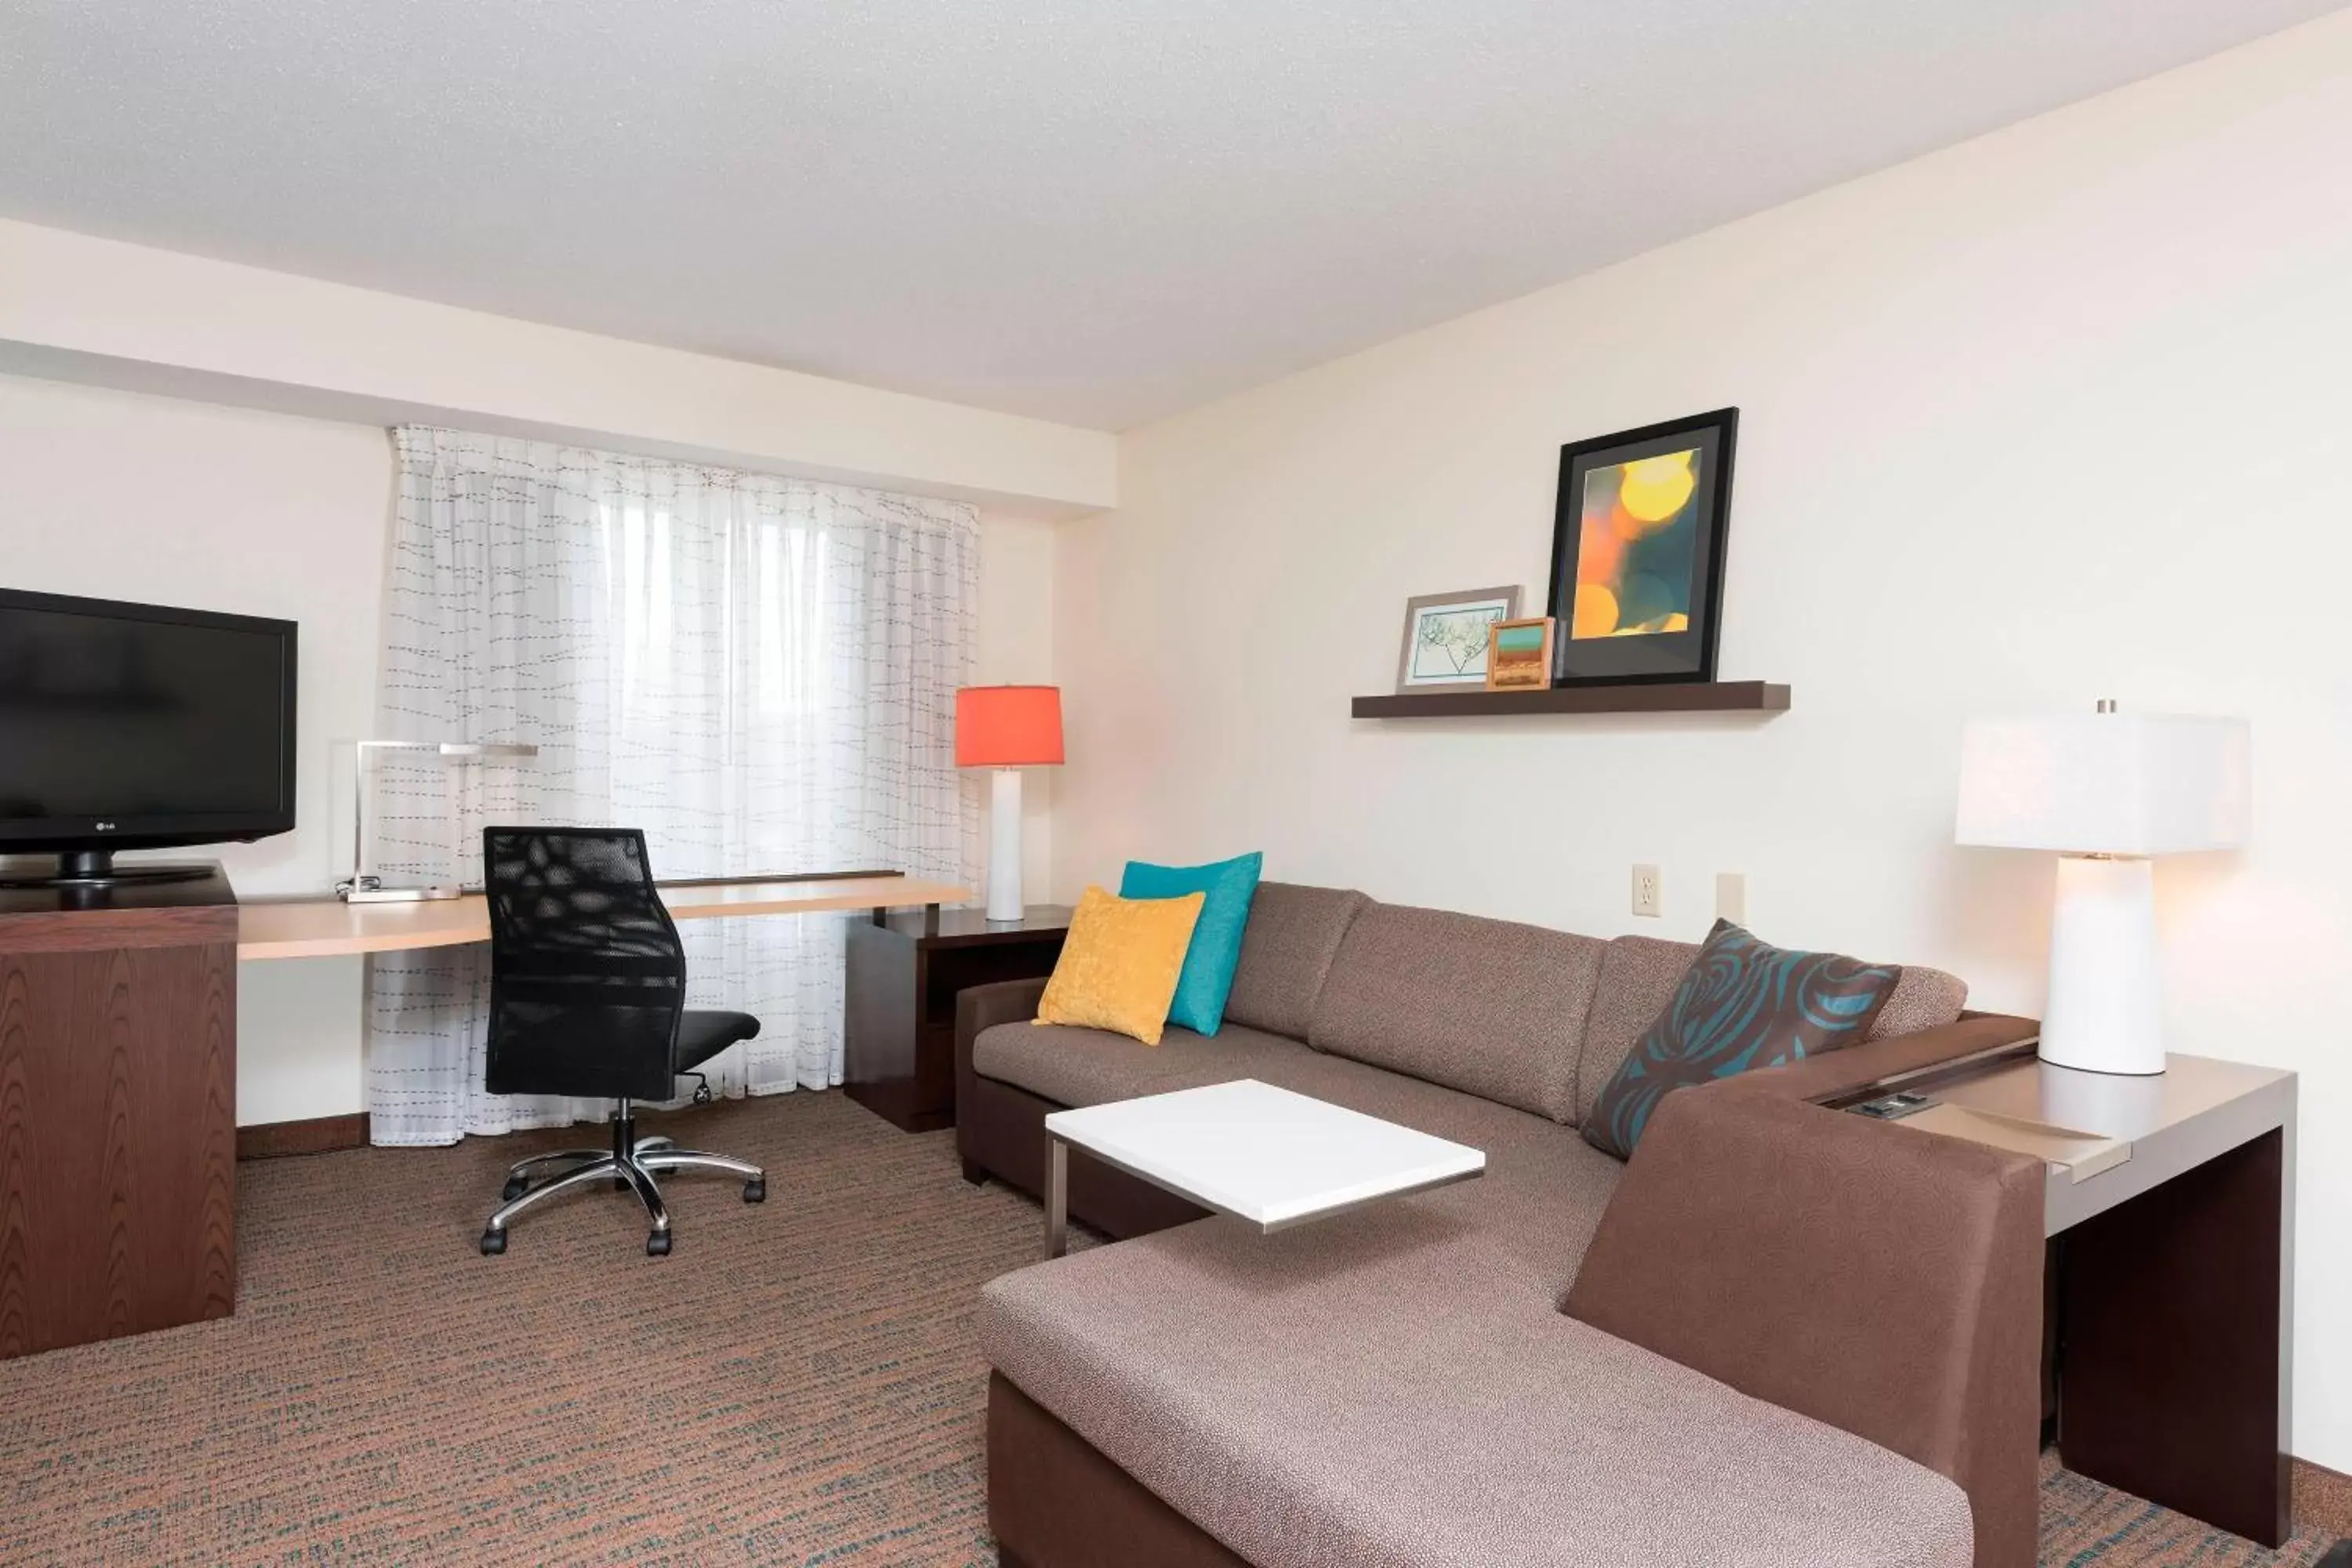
[{"x": 1743, "y": 1004}]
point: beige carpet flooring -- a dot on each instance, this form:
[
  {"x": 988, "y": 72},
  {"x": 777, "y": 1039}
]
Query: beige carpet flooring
[{"x": 795, "y": 1383}]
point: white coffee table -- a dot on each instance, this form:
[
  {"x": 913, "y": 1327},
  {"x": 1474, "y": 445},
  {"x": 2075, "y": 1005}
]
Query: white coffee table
[{"x": 1262, "y": 1154}]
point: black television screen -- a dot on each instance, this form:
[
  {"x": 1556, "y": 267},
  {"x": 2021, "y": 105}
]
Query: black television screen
[{"x": 126, "y": 726}]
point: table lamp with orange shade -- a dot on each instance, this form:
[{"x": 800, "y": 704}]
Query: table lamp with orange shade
[{"x": 1007, "y": 728}]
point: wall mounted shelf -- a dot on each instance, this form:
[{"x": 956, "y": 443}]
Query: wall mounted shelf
[{"x": 1763, "y": 697}]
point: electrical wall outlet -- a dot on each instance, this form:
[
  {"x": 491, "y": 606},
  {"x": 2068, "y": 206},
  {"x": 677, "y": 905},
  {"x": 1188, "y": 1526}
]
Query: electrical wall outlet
[
  {"x": 1731, "y": 897},
  {"x": 1649, "y": 891}
]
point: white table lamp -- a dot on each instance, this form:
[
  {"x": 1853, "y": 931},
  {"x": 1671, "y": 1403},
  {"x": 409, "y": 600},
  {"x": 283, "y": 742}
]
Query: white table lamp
[{"x": 2106, "y": 791}]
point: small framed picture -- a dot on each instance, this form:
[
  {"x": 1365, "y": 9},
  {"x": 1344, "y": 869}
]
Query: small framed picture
[
  {"x": 1637, "y": 551},
  {"x": 1446, "y": 637},
  {"x": 1518, "y": 655}
]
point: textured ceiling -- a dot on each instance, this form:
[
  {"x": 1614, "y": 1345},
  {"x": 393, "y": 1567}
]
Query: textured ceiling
[{"x": 1098, "y": 211}]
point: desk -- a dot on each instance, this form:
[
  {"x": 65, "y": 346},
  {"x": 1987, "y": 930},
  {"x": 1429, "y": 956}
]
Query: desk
[
  {"x": 118, "y": 1074},
  {"x": 330, "y": 928},
  {"x": 2170, "y": 1208},
  {"x": 898, "y": 1026}
]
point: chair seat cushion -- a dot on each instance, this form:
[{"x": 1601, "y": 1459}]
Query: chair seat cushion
[{"x": 703, "y": 1034}]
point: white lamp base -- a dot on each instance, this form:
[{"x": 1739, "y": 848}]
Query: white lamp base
[
  {"x": 2103, "y": 1014},
  {"x": 1005, "y": 904}
]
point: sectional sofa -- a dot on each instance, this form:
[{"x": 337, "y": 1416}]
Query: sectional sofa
[{"x": 1783, "y": 1334}]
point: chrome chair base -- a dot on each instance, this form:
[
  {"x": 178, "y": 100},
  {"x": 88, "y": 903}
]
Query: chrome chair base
[{"x": 631, "y": 1162}]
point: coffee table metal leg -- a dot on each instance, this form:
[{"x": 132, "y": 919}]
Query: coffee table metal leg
[{"x": 1057, "y": 1197}]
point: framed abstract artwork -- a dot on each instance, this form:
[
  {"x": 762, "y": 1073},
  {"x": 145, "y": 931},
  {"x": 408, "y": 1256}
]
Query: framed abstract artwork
[
  {"x": 1446, "y": 637},
  {"x": 1637, "y": 551}
]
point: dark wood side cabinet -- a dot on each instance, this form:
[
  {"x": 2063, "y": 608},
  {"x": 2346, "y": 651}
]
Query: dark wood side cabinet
[
  {"x": 118, "y": 1110},
  {"x": 898, "y": 1045}
]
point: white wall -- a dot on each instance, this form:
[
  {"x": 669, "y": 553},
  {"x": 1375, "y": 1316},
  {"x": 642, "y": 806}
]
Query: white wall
[
  {"x": 74, "y": 308},
  {"x": 121, "y": 496},
  {"x": 166, "y": 499},
  {"x": 2058, "y": 415},
  {"x": 1017, "y": 649}
]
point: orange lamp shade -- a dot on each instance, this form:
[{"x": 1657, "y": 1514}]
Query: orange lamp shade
[{"x": 1009, "y": 727}]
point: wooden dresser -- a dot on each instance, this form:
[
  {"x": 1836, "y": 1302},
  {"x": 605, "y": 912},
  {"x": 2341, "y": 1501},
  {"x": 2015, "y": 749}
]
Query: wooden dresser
[{"x": 118, "y": 1110}]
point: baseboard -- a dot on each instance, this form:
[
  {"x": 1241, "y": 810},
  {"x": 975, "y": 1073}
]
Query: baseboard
[
  {"x": 2323, "y": 1498},
  {"x": 319, "y": 1135}
]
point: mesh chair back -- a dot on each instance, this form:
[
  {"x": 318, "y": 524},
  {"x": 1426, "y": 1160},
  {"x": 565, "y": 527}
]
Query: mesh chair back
[{"x": 587, "y": 974}]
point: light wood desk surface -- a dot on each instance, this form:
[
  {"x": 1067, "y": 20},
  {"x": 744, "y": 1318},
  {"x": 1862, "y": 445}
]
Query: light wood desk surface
[{"x": 327, "y": 927}]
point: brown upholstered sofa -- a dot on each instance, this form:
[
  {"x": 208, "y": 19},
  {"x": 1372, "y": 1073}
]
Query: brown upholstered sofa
[{"x": 1781, "y": 1335}]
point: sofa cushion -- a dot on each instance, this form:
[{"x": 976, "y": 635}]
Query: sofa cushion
[
  {"x": 1542, "y": 1197},
  {"x": 1545, "y": 1188},
  {"x": 1390, "y": 1389},
  {"x": 1924, "y": 999},
  {"x": 1742, "y": 1004},
  {"x": 1120, "y": 962},
  {"x": 1095, "y": 1067},
  {"x": 1286, "y": 951},
  {"x": 1490, "y": 1008},
  {"x": 1200, "y": 1001},
  {"x": 1639, "y": 975}
]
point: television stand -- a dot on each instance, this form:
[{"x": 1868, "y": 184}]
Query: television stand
[
  {"x": 118, "y": 1195},
  {"x": 96, "y": 868}
]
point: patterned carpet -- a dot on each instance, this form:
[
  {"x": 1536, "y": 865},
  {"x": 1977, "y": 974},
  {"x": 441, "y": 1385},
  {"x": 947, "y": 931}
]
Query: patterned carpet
[{"x": 797, "y": 1383}]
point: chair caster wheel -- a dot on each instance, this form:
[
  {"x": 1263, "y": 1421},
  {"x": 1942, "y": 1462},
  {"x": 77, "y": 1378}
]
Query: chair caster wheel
[
  {"x": 702, "y": 1094},
  {"x": 516, "y": 1186},
  {"x": 756, "y": 1192},
  {"x": 493, "y": 1243},
  {"x": 657, "y": 1244}
]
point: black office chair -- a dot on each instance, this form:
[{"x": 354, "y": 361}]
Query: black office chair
[{"x": 588, "y": 997}]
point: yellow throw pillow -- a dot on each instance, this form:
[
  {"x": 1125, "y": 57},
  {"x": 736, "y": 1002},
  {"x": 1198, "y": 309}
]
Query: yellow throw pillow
[{"x": 1120, "y": 963}]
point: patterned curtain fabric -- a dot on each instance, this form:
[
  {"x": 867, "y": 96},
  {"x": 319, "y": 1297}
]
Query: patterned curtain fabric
[{"x": 759, "y": 672}]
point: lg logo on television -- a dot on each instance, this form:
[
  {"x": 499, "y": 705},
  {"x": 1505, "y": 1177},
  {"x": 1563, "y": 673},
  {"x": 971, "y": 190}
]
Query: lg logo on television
[{"x": 106, "y": 827}]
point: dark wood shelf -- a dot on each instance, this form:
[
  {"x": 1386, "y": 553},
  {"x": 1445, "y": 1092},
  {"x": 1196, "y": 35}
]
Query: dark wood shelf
[{"x": 1762, "y": 697}]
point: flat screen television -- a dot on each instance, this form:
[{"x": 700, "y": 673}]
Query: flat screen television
[{"x": 140, "y": 726}]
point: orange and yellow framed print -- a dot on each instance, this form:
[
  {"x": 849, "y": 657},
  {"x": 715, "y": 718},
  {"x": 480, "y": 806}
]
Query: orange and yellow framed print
[
  {"x": 1518, "y": 655},
  {"x": 1637, "y": 551}
]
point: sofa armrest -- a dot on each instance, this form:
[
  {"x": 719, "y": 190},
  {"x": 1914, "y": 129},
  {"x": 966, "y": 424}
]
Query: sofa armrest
[
  {"x": 1877, "y": 1277},
  {"x": 982, "y": 1007},
  {"x": 1835, "y": 1073}
]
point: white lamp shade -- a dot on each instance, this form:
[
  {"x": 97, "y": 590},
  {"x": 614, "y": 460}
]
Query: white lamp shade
[{"x": 2105, "y": 784}]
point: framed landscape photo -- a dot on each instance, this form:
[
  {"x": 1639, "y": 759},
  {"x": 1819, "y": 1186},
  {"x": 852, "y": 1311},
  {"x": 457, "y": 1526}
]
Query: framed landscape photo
[
  {"x": 1446, "y": 637},
  {"x": 1637, "y": 551},
  {"x": 1518, "y": 655}
]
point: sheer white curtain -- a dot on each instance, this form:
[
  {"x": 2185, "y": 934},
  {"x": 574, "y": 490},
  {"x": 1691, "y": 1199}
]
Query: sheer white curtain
[{"x": 759, "y": 672}]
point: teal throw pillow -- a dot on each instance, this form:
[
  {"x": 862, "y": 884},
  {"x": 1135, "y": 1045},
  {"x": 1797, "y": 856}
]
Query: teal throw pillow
[
  {"x": 1209, "y": 963},
  {"x": 1743, "y": 1004}
]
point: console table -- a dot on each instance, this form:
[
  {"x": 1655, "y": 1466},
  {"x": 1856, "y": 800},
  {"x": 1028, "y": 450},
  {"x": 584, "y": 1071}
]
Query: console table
[{"x": 2170, "y": 1210}]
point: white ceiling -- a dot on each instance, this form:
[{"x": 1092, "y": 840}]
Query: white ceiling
[{"x": 1097, "y": 211}]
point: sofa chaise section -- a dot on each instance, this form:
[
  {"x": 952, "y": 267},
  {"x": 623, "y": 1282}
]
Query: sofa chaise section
[
  {"x": 1395, "y": 1391},
  {"x": 1779, "y": 1284}
]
